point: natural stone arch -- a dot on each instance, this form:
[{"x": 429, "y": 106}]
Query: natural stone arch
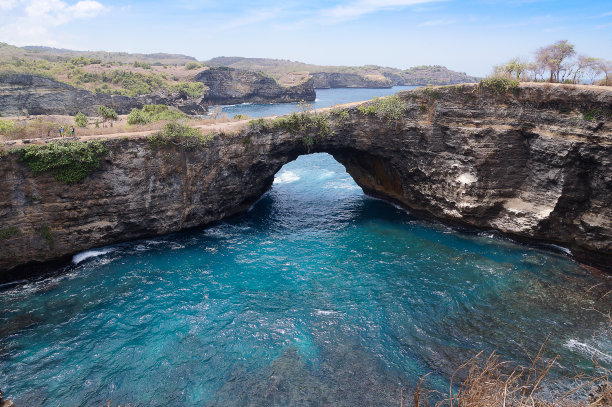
[{"x": 464, "y": 154}]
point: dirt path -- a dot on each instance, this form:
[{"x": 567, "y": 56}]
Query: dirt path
[{"x": 232, "y": 126}]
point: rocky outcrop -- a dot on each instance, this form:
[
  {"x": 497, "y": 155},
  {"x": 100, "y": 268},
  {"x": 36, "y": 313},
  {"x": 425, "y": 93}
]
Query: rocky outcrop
[
  {"x": 35, "y": 95},
  {"x": 327, "y": 80},
  {"x": 534, "y": 164},
  {"x": 227, "y": 86}
]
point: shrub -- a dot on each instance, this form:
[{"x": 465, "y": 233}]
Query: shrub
[
  {"x": 81, "y": 120},
  {"x": 192, "y": 65},
  {"x": 153, "y": 113},
  {"x": 68, "y": 161},
  {"x": 8, "y": 233},
  {"x": 180, "y": 135},
  {"x": 7, "y": 127},
  {"x": 240, "y": 116},
  {"x": 390, "y": 108},
  {"x": 499, "y": 85}
]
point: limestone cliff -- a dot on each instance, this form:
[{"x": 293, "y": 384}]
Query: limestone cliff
[
  {"x": 534, "y": 163},
  {"x": 228, "y": 86},
  {"x": 327, "y": 80},
  {"x": 20, "y": 93}
]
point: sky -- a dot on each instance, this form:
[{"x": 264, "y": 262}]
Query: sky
[{"x": 466, "y": 36}]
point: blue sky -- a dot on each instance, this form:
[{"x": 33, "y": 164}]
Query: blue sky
[{"x": 468, "y": 36}]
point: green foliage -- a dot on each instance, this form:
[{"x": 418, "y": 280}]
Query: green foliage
[
  {"x": 69, "y": 161},
  {"x": 7, "y": 127},
  {"x": 432, "y": 94},
  {"x": 107, "y": 114},
  {"x": 82, "y": 61},
  {"x": 191, "y": 89},
  {"x": 390, "y": 108},
  {"x": 81, "y": 120},
  {"x": 240, "y": 117},
  {"x": 304, "y": 123},
  {"x": 179, "y": 135},
  {"x": 46, "y": 233},
  {"x": 143, "y": 65},
  {"x": 499, "y": 85},
  {"x": 192, "y": 65},
  {"x": 8, "y": 233},
  {"x": 153, "y": 113},
  {"x": 596, "y": 114}
]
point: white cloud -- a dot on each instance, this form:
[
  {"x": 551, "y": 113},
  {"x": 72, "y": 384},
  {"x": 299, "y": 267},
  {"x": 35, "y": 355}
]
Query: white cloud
[
  {"x": 434, "y": 23},
  {"x": 8, "y": 4},
  {"x": 30, "y": 22},
  {"x": 253, "y": 17},
  {"x": 362, "y": 7}
]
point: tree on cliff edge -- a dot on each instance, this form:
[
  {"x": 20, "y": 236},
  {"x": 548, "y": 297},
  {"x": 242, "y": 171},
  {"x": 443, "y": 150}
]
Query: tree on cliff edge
[
  {"x": 107, "y": 114},
  {"x": 554, "y": 56}
]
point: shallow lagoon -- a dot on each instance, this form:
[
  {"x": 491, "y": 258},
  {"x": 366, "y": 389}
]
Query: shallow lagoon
[{"x": 319, "y": 295}]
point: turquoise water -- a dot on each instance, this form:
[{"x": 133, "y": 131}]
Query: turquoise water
[
  {"x": 325, "y": 98},
  {"x": 317, "y": 296}
]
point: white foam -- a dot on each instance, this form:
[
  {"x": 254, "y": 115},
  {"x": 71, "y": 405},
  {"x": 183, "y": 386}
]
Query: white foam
[
  {"x": 587, "y": 350},
  {"x": 286, "y": 177},
  {"x": 560, "y": 248},
  {"x": 77, "y": 258}
]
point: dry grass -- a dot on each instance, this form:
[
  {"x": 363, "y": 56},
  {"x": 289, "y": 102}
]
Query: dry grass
[{"x": 493, "y": 382}]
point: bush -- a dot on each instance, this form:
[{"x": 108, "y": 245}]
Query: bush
[
  {"x": 153, "y": 113},
  {"x": 192, "y": 65},
  {"x": 107, "y": 114},
  {"x": 390, "y": 108},
  {"x": 499, "y": 85},
  {"x": 68, "y": 161},
  {"x": 7, "y": 127},
  {"x": 180, "y": 135},
  {"x": 81, "y": 120}
]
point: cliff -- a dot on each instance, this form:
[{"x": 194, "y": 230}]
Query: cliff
[
  {"x": 38, "y": 95},
  {"x": 327, "y": 80},
  {"x": 228, "y": 86},
  {"x": 533, "y": 162}
]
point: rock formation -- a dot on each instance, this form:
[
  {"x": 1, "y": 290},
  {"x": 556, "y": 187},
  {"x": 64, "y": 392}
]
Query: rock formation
[
  {"x": 534, "y": 163},
  {"x": 327, "y": 80},
  {"x": 35, "y": 95},
  {"x": 228, "y": 86}
]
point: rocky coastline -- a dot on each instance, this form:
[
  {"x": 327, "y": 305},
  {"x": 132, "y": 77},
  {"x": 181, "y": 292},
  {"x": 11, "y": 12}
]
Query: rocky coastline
[
  {"x": 227, "y": 86},
  {"x": 533, "y": 162}
]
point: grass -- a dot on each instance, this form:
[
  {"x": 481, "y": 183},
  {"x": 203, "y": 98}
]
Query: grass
[
  {"x": 179, "y": 135},
  {"x": 67, "y": 160},
  {"x": 8, "y": 233},
  {"x": 310, "y": 125},
  {"x": 46, "y": 233},
  {"x": 499, "y": 85},
  {"x": 390, "y": 109},
  {"x": 596, "y": 114}
]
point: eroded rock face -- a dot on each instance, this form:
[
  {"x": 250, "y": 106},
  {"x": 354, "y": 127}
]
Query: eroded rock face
[
  {"x": 35, "y": 95},
  {"x": 327, "y": 80},
  {"x": 228, "y": 86},
  {"x": 527, "y": 164}
]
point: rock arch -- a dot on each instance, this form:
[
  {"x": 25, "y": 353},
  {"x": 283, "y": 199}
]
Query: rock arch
[{"x": 464, "y": 154}]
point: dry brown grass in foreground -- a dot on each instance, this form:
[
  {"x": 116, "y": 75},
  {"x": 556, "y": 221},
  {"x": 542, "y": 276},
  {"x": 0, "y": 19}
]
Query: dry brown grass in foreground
[{"x": 492, "y": 382}]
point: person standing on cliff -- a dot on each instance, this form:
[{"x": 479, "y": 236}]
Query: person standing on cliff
[
  {"x": 72, "y": 130},
  {"x": 62, "y": 131}
]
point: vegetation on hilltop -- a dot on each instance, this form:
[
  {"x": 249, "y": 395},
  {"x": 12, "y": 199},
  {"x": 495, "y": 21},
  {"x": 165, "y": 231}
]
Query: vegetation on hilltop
[{"x": 560, "y": 63}]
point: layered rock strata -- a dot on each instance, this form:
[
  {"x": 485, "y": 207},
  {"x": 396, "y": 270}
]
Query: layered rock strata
[
  {"x": 227, "y": 86},
  {"x": 35, "y": 95},
  {"x": 535, "y": 163}
]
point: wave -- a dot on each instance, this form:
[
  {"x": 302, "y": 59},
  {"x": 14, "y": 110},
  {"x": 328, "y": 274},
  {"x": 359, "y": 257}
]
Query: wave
[
  {"x": 587, "y": 350},
  {"x": 286, "y": 177},
  {"x": 77, "y": 258}
]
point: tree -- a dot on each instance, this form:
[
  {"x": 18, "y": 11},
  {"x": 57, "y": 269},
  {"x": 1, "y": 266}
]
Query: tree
[
  {"x": 107, "y": 114},
  {"x": 554, "y": 57},
  {"x": 515, "y": 68},
  {"x": 605, "y": 67},
  {"x": 81, "y": 120}
]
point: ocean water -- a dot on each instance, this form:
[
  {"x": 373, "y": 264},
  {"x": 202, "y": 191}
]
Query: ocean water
[
  {"x": 319, "y": 295},
  {"x": 325, "y": 98}
]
